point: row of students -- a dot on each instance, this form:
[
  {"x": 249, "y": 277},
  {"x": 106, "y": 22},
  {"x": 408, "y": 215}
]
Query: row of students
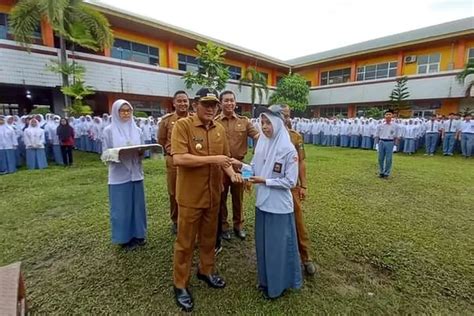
[{"x": 453, "y": 135}]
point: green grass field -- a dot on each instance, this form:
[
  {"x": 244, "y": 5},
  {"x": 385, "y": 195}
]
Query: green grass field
[{"x": 398, "y": 246}]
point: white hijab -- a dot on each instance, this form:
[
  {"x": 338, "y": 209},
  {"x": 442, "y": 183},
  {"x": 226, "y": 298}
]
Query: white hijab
[
  {"x": 270, "y": 151},
  {"x": 123, "y": 133}
]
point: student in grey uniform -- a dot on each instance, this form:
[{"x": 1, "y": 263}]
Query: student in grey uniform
[
  {"x": 432, "y": 135},
  {"x": 386, "y": 137},
  {"x": 466, "y": 135},
  {"x": 275, "y": 166},
  {"x": 449, "y": 129}
]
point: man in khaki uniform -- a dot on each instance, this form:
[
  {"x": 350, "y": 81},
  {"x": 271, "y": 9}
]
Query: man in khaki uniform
[
  {"x": 181, "y": 105},
  {"x": 299, "y": 194},
  {"x": 238, "y": 129},
  {"x": 201, "y": 152}
]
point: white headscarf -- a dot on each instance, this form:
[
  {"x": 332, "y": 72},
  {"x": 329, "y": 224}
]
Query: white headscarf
[
  {"x": 270, "y": 151},
  {"x": 123, "y": 133}
]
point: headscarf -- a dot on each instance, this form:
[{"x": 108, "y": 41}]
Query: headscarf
[
  {"x": 123, "y": 133},
  {"x": 270, "y": 151}
]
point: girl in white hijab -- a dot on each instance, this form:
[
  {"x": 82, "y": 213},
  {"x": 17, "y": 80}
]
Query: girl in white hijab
[
  {"x": 34, "y": 141},
  {"x": 275, "y": 165},
  {"x": 8, "y": 144},
  {"x": 126, "y": 190}
]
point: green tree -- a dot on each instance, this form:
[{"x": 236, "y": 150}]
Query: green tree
[
  {"x": 258, "y": 85},
  {"x": 467, "y": 71},
  {"x": 400, "y": 94},
  {"x": 211, "y": 71},
  {"x": 71, "y": 20},
  {"x": 374, "y": 112},
  {"x": 77, "y": 90},
  {"x": 293, "y": 91}
]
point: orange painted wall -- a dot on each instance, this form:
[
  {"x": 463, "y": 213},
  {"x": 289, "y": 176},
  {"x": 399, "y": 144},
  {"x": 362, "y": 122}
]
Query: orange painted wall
[
  {"x": 6, "y": 6},
  {"x": 310, "y": 74},
  {"x": 449, "y": 106},
  {"x": 448, "y": 56}
]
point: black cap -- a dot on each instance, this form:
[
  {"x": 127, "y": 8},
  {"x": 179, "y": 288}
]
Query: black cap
[{"x": 207, "y": 94}]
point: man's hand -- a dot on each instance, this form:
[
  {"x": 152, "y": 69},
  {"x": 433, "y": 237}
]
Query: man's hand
[
  {"x": 237, "y": 178},
  {"x": 222, "y": 160},
  {"x": 236, "y": 163},
  {"x": 257, "y": 180},
  {"x": 302, "y": 193}
]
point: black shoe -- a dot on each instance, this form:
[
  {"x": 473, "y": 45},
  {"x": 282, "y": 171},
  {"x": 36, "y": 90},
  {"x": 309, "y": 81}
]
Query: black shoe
[
  {"x": 129, "y": 246},
  {"x": 226, "y": 235},
  {"x": 183, "y": 299},
  {"x": 240, "y": 233},
  {"x": 217, "y": 250},
  {"x": 139, "y": 241},
  {"x": 213, "y": 280},
  {"x": 381, "y": 175},
  {"x": 174, "y": 228}
]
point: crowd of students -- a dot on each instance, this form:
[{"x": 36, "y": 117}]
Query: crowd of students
[
  {"x": 35, "y": 140},
  {"x": 452, "y": 134}
]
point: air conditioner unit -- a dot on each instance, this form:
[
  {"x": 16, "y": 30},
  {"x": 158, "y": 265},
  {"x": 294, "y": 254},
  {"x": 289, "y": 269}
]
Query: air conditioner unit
[{"x": 410, "y": 59}]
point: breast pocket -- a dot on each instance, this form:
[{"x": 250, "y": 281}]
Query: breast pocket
[{"x": 240, "y": 128}]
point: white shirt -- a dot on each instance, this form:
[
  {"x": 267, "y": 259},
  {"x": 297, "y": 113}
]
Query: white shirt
[
  {"x": 433, "y": 126},
  {"x": 387, "y": 131},
  {"x": 467, "y": 127},
  {"x": 451, "y": 126}
]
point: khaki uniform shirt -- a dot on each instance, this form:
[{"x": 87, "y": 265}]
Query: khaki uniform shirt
[
  {"x": 238, "y": 129},
  {"x": 166, "y": 127},
  {"x": 199, "y": 187},
  {"x": 298, "y": 142}
]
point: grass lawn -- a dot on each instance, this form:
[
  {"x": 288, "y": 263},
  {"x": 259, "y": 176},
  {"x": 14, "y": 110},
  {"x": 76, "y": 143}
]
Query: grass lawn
[{"x": 398, "y": 246}]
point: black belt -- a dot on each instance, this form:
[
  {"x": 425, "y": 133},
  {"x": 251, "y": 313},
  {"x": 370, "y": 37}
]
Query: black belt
[{"x": 386, "y": 140}]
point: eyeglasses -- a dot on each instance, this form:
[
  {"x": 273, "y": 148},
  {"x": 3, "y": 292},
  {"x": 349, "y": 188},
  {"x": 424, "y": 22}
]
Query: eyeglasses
[{"x": 125, "y": 111}]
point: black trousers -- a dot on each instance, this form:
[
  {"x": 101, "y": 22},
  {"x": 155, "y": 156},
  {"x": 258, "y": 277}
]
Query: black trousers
[{"x": 66, "y": 151}]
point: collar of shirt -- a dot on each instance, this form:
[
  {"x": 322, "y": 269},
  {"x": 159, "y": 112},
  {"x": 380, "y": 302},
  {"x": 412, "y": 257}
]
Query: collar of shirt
[
  {"x": 197, "y": 122},
  {"x": 222, "y": 116}
]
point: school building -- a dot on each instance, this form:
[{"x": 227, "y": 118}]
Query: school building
[{"x": 149, "y": 57}]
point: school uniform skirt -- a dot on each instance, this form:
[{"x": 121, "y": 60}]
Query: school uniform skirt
[
  {"x": 127, "y": 211},
  {"x": 409, "y": 146},
  {"x": 278, "y": 259},
  {"x": 36, "y": 158},
  {"x": 58, "y": 157},
  {"x": 20, "y": 152},
  {"x": 7, "y": 161}
]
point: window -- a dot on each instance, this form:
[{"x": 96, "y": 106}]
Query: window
[
  {"x": 6, "y": 34},
  {"x": 330, "y": 111},
  {"x": 379, "y": 71},
  {"x": 187, "y": 63},
  {"x": 335, "y": 76},
  {"x": 132, "y": 51},
  {"x": 428, "y": 63},
  {"x": 234, "y": 72},
  {"x": 265, "y": 75},
  {"x": 470, "y": 55}
]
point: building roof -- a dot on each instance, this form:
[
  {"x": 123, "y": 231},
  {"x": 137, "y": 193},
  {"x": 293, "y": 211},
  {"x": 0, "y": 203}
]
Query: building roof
[
  {"x": 419, "y": 35},
  {"x": 439, "y": 31},
  {"x": 105, "y": 8}
]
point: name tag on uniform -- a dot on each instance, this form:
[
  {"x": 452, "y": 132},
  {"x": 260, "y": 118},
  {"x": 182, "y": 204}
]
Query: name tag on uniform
[{"x": 277, "y": 167}]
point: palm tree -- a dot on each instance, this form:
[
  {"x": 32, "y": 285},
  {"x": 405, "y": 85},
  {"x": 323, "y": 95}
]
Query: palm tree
[
  {"x": 258, "y": 85},
  {"x": 468, "y": 71},
  {"x": 71, "y": 20}
]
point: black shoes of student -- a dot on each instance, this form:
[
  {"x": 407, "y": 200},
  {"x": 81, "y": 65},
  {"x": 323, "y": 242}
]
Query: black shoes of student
[
  {"x": 174, "y": 228},
  {"x": 184, "y": 299},
  {"x": 240, "y": 233},
  {"x": 213, "y": 280},
  {"x": 226, "y": 235},
  {"x": 133, "y": 244}
]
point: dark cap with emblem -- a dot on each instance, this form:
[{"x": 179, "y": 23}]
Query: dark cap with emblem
[
  {"x": 275, "y": 110},
  {"x": 207, "y": 94}
]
